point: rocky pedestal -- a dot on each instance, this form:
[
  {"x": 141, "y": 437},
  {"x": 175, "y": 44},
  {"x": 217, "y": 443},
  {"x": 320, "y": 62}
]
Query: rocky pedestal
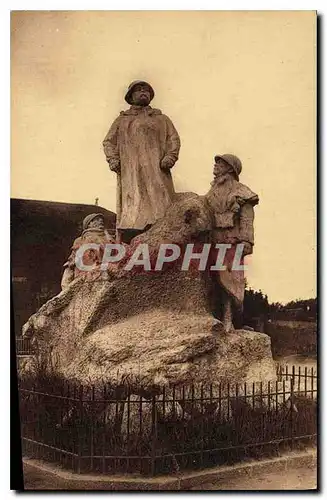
[
  {"x": 148, "y": 329},
  {"x": 157, "y": 349}
]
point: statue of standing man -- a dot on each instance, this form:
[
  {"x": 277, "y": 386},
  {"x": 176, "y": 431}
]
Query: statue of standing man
[
  {"x": 141, "y": 146},
  {"x": 232, "y": 204}
]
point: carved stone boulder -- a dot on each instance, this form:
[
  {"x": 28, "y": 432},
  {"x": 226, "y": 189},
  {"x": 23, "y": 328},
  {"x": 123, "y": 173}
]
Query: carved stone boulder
[{"x": 148, "y": 329}]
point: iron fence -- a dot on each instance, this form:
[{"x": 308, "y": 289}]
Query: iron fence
[
  {"x": 23, "y": 346},
  {"x": 116, "y": 430},
  {"x": 303, "y": 377}
]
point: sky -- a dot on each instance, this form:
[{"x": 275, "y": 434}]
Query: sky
[{"x": 232, "y": 82}]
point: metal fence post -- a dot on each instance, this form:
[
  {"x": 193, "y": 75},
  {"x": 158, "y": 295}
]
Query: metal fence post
[
  {"x": 153, "y": 436},
  {"x": 292, "y": 404},
  {"x": 38, "y": 420},
  {"x": 80, "y": 428},
  {"x": 93, "y": 418}
]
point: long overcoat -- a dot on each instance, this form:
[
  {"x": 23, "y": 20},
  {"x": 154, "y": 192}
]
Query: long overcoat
[{"x": 140, "y": 138}]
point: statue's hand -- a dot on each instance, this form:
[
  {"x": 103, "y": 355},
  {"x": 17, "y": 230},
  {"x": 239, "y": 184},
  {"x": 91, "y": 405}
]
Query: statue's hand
[
  {"x": 247, "y": 250},
  {"x": 114, "y": 165},
  {"x": 166, "y": 163}
]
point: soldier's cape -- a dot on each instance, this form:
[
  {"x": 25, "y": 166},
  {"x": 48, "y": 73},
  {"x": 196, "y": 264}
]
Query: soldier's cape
[{"x": 232, "y": 206}]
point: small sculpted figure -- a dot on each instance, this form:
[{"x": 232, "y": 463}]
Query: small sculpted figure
[
  {"x": 93, "y": 232},
  {"x": 141, "y": 146},
  {"x": 232, "y": 205}
]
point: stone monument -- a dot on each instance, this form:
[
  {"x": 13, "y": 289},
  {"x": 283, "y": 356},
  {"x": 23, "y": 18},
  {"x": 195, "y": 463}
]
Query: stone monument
[{"x": 153, "y": 327}]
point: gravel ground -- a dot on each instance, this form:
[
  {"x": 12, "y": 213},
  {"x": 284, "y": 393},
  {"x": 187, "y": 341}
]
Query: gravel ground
[
  {"x": 302, "y": 478},
  {"x": 299, "y": 478}
]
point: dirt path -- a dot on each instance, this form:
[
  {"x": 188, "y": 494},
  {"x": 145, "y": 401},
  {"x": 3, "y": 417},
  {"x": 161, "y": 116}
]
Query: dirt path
[
  {"x": 302, "y": 478},
  {"x": 293, "y": 471}
]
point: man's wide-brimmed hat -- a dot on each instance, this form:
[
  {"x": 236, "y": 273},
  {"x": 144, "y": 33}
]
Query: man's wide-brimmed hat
[
  {"x": 90, "y": 218},
  {"x": 233, "y": 161},
  {"x": 128, "y": 96}
]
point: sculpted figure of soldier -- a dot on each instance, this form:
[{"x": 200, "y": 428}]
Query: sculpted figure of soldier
[
  {"x": 141, "y": 146},
  {"x": 93, "y": 232},
  {"x": 232, "y": 204}
]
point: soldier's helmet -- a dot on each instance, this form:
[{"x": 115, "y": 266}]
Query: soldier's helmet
[
  {"x": 233, "y": 161},
  {"x": 128, "y": 96},
  {"x": 90, "y": 218}
]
